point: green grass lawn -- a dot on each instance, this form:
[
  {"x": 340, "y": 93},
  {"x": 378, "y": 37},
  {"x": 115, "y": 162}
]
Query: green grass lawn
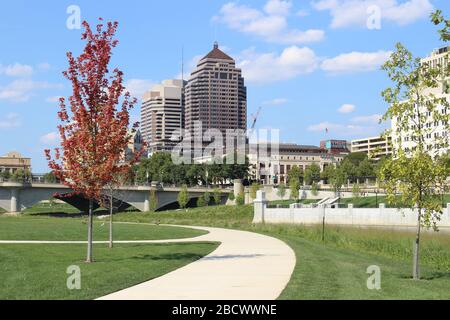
[
  {"x": 39, "y": 271},
  {"x": 54, "y": 208},
  {"x": 40, "y": 228},
  {"x": 372, "y": 201},
  {"x": 288, "y": 202},
  {"x": 337, "y": 268}
]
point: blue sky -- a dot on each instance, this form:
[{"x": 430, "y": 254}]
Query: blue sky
[{"x": 311, "y": 65}]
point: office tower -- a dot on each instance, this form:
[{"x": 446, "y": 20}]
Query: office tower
[
  {"x": 162, "y": 115},
  {"x": 216, "y": 95}
]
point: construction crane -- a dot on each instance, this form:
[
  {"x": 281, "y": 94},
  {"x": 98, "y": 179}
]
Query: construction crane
[{"x": 255, "y": 118}]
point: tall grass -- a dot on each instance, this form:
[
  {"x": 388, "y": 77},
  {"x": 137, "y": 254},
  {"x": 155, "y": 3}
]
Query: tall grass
[{"x": 435, "y": 247}]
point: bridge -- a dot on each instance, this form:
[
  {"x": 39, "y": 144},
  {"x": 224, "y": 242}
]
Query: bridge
[{"x": 17, "y": 196}]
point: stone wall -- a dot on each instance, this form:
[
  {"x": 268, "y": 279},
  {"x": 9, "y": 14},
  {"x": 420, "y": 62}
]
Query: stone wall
[{"x": 381, "y": 216}]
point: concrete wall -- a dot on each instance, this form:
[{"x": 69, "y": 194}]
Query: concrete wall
[
  {"x": 382, "y": 216},
  {"x": 271, "y": 194}
]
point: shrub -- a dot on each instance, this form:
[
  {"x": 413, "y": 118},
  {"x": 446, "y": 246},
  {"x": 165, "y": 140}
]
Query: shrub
[
  {"x": 240, "y": 199},
  {"x": 281, "y": 192},
  {"x": 217, "y": 195},
  {"x": 183, "y": 197},
  {"x": 201, "y": 202},
  {"x": 253, "y": 189},
  {"x": 153, "y": 201},
  {"x": 315, "y": 189}
]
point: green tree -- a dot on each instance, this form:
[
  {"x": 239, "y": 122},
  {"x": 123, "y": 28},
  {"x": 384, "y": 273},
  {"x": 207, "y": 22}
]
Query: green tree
[
  {"x": 217, "y": 195},
  {"x": 413, "y": 175},
  {"x": 338, "y": 179},
  {"x": 312, "y": 174},
  {"x": 21, "y": 175},
  {"x": 366, "y": 168},
  {"x": 253, "y": 189},
  {"x": 153, "y": 200},
  {"x": 281, "y": 190},
  {"x": 327, "y": 173},
  {"x": 295, "y": 174},
  {"x": 438, "y": 19},
  {"x": 294, "y": 186},
  {"x": 315, "y": 189},
  {"x": 356, "y": 190},
  {"x": 49, "y": 177},
  {"x": 207, "y": 198},
  {"x": 5, "y": 175},
  {"x": 183, "y": 197},
  {"x": 231, "y": 196}
]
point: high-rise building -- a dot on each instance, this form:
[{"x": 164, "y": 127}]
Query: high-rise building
[
  {"x": 162, "y": 115},
  {"x": 436, "y": 131},
  {"x": 216, "y": 95}
]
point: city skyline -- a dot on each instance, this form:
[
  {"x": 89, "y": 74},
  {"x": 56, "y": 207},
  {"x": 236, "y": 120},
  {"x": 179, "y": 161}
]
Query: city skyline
[{"x": 289, "y": 52}]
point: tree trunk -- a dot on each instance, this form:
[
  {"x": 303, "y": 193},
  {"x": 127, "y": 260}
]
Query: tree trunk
[
  {"x": 89, "y": 245},
  {"x": 111, "y": 222},
  {"x": 416, "y": 258}
]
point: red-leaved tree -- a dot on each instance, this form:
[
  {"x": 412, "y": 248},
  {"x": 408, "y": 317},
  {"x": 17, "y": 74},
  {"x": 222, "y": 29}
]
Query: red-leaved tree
[{"x": 94, "y": 127}]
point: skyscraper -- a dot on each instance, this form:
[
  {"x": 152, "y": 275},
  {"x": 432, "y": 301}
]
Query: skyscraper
[
  {"x": 216, "y": 95},
  {"x": 162, "y": 114}
]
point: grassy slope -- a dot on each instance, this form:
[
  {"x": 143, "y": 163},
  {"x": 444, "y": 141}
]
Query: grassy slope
[
  {"x": 39, "y": 272},
  {"x": 371, "y": 202},
  {"x": 336, "y": 269},
  {"x": 34, "y": 228}
]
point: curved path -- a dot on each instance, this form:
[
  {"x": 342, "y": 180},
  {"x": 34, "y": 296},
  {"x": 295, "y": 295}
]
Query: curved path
[{"x": 245, "y": 266}]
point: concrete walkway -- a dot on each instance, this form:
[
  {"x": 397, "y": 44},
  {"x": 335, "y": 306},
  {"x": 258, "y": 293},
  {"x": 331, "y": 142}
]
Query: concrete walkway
[{"x": 245, "y": 266}]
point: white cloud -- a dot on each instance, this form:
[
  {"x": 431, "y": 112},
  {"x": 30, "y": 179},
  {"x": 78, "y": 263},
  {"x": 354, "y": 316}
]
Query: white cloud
[
  {"x": 43, "y": 66},
  {"x": 276, "y": 102},
  {"x": 355, "y": 62},
  {"x": 278, "y": 7},
  {"x": 347, "y": 13},
  {"x": 53, "y": 99},
  {"x": 357, "y": 127},
  {"x": 346, "y": 108},
  {"x": 371, "y": 119},
  {"x": 12, "y": 120},
  {"x": 137, "y": 87},
  {"x": 269, "y": 24},
  {"x": 21, "y": 90},
  {"x": 271, "y": 67},
  {"x": 49, "y": 138},
  {"x": 341, "y": 130},
  {"x": 16, "y": 70}
]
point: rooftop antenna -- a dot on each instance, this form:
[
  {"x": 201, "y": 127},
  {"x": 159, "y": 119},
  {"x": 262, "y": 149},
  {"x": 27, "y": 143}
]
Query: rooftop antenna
[{"x": 216, "y": 44}]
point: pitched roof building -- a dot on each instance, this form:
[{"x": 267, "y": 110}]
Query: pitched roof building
[{"x": 216, "y": 95}]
